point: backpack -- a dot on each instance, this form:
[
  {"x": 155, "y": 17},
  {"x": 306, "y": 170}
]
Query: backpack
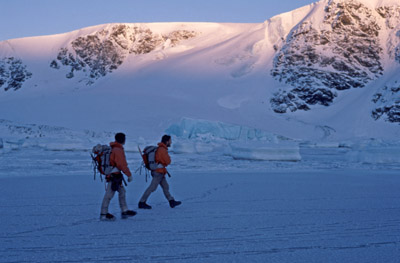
[
  {"x": 149, "y": 158},
  {"x": 101, "y": 161}
]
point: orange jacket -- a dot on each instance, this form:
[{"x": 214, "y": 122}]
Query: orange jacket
[
  {"x": 162, "y": 157},
  {"x": 118, "y": 159}
]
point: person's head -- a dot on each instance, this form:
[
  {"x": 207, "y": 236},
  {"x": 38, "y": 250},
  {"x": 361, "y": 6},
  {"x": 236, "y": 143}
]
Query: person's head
[
  {"x": 120, "y": 138},
  {"x": 166, "y": 139}
]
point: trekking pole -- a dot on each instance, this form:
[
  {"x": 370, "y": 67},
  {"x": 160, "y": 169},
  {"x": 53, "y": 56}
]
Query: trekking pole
[
  {"x": 94, "y": 167},
  {"x": 140, "y": 151},
  {"x": 141, "y": 154},
  {"x": 123, "y": 179},
  {"x": 169, "y": 175}
]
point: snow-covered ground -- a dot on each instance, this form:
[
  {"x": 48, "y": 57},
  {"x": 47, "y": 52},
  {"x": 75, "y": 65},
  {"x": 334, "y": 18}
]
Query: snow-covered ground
[
  {"x": 331, "y": 215},
  {"x": 326, "y": 207},
  {"x": 248, "y": 195}
]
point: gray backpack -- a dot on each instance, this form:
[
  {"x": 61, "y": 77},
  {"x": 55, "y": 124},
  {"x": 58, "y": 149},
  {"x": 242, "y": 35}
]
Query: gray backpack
[
  {"x": 149, "y": 158},
  {"x": 101, "y": 160}
]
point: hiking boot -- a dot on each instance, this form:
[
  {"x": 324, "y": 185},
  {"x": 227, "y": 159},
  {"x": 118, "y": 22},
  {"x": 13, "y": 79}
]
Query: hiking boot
[
  {"x": 107, "y": 217},
  {"x": 174, "y": 203},
  {"x": 128, "y": 213},
  {"x": 143, "y": 205}
]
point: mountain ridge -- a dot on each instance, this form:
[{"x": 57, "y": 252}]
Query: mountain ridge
[{"x": 293, "y": 68}]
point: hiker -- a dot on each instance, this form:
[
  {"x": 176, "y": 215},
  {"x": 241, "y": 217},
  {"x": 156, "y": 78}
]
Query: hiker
[
  {"x": 161, "y": 157},
  {"x": 115, "y": 179}
]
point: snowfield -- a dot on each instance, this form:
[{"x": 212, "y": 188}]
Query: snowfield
[{"x": 339, "y": 215}]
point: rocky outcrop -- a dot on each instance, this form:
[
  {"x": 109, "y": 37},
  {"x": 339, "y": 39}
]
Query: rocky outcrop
[
  {"x": 103, "y": 52},
  {"x": 13, "y": 73},
  {"x": 388, "y": 103},
  {"x": 319, "y": 62}
]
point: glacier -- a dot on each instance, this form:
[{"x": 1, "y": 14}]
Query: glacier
[
  {"x": 207, "y": 130},
  {"x": 206, "y": 140},
  {"x": 240, "y": 142}
]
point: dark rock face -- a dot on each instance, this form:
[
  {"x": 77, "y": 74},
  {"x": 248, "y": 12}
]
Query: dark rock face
[
  {"x": 388, "y": 103},
  {"x": 104, "y": 51},
  {"x": 13, "y": 73},
  {"x": 318, "y": 64}
]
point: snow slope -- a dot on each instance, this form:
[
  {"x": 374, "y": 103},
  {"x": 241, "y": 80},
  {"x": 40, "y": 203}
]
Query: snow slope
[{"x": 143, "y": 78}]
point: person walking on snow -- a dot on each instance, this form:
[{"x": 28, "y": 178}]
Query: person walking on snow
[
  {"x": 118, "y": 160},
  {"x": 161, "y": 157}
]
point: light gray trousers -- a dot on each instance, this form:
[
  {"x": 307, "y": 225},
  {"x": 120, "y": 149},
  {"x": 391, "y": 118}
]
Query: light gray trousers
[
  {"x": 158, "y": 179},
  {"x": 110, "y": 194}
]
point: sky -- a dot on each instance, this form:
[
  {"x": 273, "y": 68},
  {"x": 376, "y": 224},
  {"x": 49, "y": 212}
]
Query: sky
[{"x": 25, "y": 18}]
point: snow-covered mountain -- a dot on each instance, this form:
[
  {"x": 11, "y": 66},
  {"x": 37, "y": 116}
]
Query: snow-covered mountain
[{"x": 326, "y": 71}]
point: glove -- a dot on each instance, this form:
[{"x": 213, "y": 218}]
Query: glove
[{"x": 130, "y": 178}]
